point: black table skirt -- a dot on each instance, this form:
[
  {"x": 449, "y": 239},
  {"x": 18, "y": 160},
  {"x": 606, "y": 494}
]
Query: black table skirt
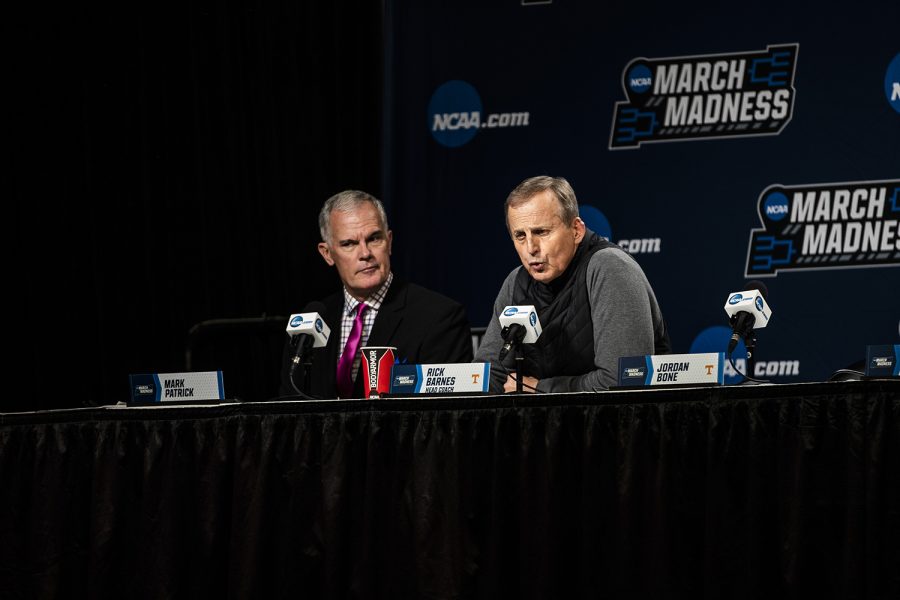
[{"x": 740, "y": 492}]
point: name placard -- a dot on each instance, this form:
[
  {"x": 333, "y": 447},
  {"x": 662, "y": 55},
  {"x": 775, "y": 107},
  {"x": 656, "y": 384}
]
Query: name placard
[
  {"x": 177, "y": 387},
  {"x": 672, "y": 369},
  {"x": 883, "y": 361},
  {"x": 448, "y": 378}
]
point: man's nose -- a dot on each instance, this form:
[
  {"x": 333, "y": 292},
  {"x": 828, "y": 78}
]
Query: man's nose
[
  {"x": 532, "y": 245},
  {"x": 364, "y": 251}
]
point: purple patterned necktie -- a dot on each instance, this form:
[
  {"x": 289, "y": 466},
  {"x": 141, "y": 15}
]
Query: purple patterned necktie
[{"x": 345, "y": 364}]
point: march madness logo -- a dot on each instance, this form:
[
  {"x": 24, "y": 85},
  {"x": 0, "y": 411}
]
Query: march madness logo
[
  {"x": 826, "y": 226},
  {"x": 703, "y": 97}
]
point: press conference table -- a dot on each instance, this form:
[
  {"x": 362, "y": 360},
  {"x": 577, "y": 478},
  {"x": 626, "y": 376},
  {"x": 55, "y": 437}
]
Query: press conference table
[{"x": 737, "y": 492}]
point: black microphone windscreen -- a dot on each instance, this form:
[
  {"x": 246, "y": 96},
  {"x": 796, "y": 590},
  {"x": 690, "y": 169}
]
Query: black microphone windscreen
[
  {"x": 315, "y": 306},
  {"x": 756, "y": 284}
]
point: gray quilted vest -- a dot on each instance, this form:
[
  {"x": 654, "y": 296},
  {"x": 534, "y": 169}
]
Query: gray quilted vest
[{"x": 566, "y": 345}]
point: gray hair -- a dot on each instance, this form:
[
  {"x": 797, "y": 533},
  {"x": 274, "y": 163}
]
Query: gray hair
[
  {"x": 525, "y": 191},
  {"x": 345, "y": 202}
]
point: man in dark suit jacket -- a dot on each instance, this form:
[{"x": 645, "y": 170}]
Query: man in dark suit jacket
[{"x": 373, "y": 309}]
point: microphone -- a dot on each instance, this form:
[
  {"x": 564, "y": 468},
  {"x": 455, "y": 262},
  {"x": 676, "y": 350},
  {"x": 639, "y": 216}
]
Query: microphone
[
  {"x": 521, "y": 325},
  {"x": 513, "y": 336},
  {"x": 747, "y": 310},
  {"x": 307, "y": 330}
]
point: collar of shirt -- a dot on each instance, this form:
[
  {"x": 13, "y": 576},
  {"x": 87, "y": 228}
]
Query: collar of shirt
[{"x": 374, "y": 301}]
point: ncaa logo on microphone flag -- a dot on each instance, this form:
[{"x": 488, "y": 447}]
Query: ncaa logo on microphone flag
[
  {"x": 708, "y": 96},
  {"x": 826, "y": 226}
]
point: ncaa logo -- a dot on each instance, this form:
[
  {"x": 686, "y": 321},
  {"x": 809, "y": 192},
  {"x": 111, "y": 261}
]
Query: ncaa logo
[
  {"x": 319, "y": 325},
  {"x": 759, "y": 303},
  {"x": 454, "y": 113},
  {"x": 510, "y": 311},
  {"x": 892, "y": 83},
  {"x": 735, "y": 299},
  {"x": 296, "y": 321},
  {"x": 640, "y": 79},
  {"x": 533, "y": 319},
  {"x": 716, "y": 339},
  {"x": 776, "y": 206},
  {"x": 595, "y": 220}
]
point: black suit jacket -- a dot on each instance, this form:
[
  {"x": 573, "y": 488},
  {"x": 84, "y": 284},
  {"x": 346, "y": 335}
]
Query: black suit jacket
[{"x": 424, "y": 326}]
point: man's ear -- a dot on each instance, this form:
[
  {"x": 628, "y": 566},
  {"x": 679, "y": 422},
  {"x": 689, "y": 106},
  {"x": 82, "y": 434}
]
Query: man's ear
[
  {"x": 325, "y": 251},
  {"x": 578, "y": 226}
]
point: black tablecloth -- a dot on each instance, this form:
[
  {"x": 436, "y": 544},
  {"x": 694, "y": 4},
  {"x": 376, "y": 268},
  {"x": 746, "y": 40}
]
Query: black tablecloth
[{"x": 741, "y": 492}]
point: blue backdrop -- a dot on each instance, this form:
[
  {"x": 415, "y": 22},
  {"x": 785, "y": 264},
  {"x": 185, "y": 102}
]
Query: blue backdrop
[{"x": 682, "y": 130}]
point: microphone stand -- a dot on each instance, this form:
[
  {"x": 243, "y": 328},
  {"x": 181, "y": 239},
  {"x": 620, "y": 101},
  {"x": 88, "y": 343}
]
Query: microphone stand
[
  {"x": 513, "y": 336},
  {"x": 307, "y": 367},
  {"x": 520, "y": 360},
  {"x": 301, "y": 357},
  {"x": 750, "y": 343}
]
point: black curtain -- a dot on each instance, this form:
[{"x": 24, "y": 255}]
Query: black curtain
[
  {"x": 167, "y": 163},
  {"x": 772, "y": 492}
]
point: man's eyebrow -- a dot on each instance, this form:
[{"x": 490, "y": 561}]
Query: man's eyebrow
[
  {"x": 374, "y": 235},
  {"x": 542, "y": 227}
]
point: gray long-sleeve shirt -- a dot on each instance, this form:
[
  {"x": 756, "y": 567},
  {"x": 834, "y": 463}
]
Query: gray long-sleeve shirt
[{"x": 623, "y": 310}]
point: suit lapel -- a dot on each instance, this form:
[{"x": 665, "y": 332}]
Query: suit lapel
[{"x": 390, "y": 315}]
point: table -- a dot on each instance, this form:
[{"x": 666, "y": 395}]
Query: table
[{"x": 734, "y": 492}]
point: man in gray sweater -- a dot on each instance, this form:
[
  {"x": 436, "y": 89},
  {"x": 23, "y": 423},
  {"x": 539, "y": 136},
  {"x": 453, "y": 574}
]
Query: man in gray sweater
[{"x": 593, "y": 299}]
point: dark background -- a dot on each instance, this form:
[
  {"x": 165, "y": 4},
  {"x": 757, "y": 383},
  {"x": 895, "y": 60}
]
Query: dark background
[{"x": 167, "y": 161}]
